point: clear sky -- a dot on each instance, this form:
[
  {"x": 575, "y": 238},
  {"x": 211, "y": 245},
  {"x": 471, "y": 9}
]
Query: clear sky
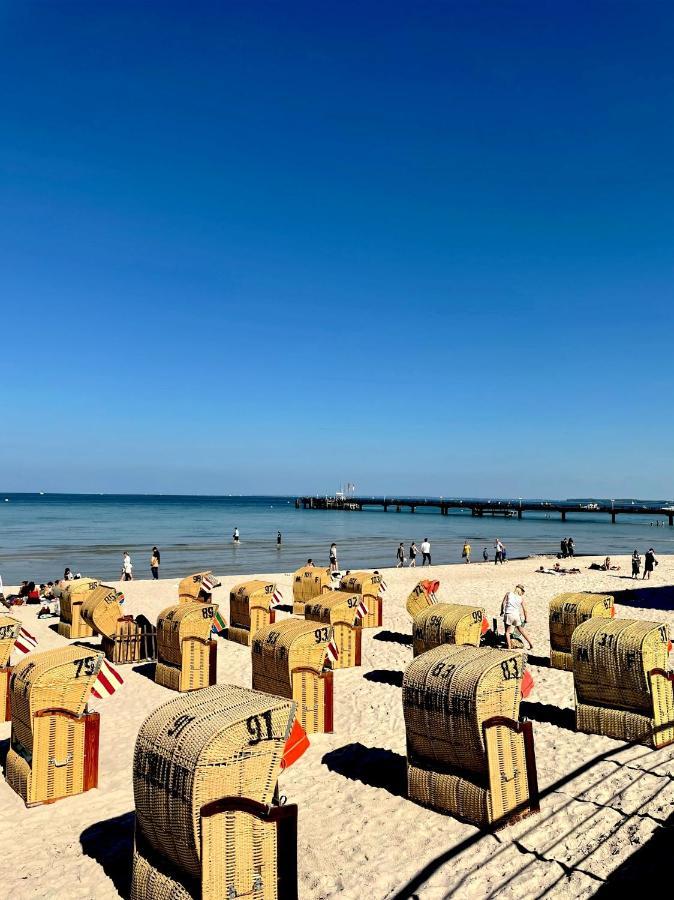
[{"x": 268, "y": 247}]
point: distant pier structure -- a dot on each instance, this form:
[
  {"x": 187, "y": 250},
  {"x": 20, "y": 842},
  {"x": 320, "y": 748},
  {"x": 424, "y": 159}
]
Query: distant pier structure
[{"x": 479, "y": 508}]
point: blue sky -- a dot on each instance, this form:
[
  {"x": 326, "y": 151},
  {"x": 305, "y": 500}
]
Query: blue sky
[{"x": 251, "y": 247}]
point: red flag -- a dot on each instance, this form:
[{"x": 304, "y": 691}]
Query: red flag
[
  {"x": 295, "y": 746},
  {"x": 485, "y": 625},
  {"x": 527, "y": 684}
]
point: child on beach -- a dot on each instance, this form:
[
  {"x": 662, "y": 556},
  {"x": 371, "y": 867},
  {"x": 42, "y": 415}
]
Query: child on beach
[{"x": 155, "y": 560}]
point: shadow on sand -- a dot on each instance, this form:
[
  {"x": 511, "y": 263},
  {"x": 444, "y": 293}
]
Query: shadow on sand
[
  {"x": 545, "y": 712},
  {"x": 394, "y": 637},
  {"x": 385, "y": 676},
  {"x": 661, "y": 597},
  {"x": 146, "y": 670},
  {"x": 374, "y": 766},
  {"x": 110, "y": 843}
]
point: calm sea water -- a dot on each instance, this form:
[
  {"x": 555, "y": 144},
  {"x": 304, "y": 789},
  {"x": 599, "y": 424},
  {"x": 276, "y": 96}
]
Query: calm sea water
[{"x": 42, "y": 534}]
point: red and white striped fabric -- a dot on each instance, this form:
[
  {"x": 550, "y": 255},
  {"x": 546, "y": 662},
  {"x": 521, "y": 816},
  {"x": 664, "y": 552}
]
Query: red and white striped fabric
[
  {"x": 25, "y": 642},
  {"x": 361, "y": 609},
  {"x": 333, "y": 650},
  {"x": 107, "y": 682},
  {"x": 276, "y": 598},
  {"x": 207, "y": 585},
  {"x": 382, "y": 585}
]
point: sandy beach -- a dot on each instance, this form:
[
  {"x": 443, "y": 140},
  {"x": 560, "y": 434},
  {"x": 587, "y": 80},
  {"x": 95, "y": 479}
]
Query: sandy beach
[{"x": 358, "y": 834}]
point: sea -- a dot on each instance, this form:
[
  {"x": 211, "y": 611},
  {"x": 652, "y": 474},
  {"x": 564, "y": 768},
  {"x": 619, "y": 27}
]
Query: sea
[{"x": 41, "y": 534}]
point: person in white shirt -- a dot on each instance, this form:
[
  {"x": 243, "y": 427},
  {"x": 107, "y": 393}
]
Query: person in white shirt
[
  {"x": 498, "y": 552},
  {"x": 127, "y": 567},
  {"x": 514, "y": 614},
  {"x": 425, "y": 552}
]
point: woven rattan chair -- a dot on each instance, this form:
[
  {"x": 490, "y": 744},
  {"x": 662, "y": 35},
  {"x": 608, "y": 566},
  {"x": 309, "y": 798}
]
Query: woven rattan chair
[
  {"x": 124, "y": 639},
  {"x": 467, "y": 753},
  {"x": 208, "y": 824},
  {"x": 309, "y": 582},
  {"x": 9, "y": 632},
  {"x": 422, "y": 597},
  {"x": 250, "y": 608},
  {"x": 186, "y": 654},
  {"x": 567, "y": 611},
  {"x": 368, "y": 585},
  {"x": 339, "y": 610},
  {"x": 623, "y": 688},
  {"x": 73, "y": 595},
  {"x": 289, "y": 660},
  {"x": 197, "y": 587},
  {"x": 54, "y": 743},
  {"x": 447, "y": 623}
]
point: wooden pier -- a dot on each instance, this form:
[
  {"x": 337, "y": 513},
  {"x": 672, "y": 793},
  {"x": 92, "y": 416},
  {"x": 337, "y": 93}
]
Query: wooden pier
[{"x": 480, "y": 508}]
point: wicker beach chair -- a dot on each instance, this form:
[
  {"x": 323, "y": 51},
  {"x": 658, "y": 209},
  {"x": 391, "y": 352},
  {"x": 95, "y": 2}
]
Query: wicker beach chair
[
  {"x": 124, "y": 639},
  {"x": 447, "y": 623},
  {"x": 54, "y": 743},
  {"x": 623, "y": 688},
  {"x": 72, "y": 597},
  {"x": 250, "y": 608},
  {"x": 340, "y": 611},
  {"x": 423, "y": 596},
  {"x": 309, "y": 582},
  {"x": 9, "y": 632},
  {"x": 208, "y": 822},
  {"x": 186, "y": 654},
  {"x": 368, "y": 584},
  {"x": 289, "y": 660},
  {"x": 467, "y": 753},
  {"x": 567, "y": 611},
  {"x": 197, "y": 587}
]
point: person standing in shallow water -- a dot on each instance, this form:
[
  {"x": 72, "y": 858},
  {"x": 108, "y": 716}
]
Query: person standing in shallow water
[
  {"x": 127, "y": 567},
  {"x": 236, "y": 536},
  {"x": 413, "y": 555},
  {"x": 278, "y": 539},
  {"x": 333, "y": 557},
  {"x": 155, "y": 561}
]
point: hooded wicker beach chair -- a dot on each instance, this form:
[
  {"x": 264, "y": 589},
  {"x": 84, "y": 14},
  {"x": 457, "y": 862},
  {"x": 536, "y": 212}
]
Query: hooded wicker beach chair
[
  {"x": 9, "y": 632},
  {"x": 186, "y": 653},
  {"x": 208, "y": 822},
  {"x": 250, "y": 608},
  {"x": 197, "y": 587},
  {"x": 623, "y": 688},
  {"x": 368, "y": 584},
  {"x": 447, "y": 623},
  {"x": 340, "y": 611},
  {"x": 289, "y": 660},
  {"x": 309, "y": 582},
  {"x": 54, "y": 743},
  {"x": 423, "y": 596},
  {"x": 72, "y": 597},
  {"x": 467, "y": 753},
  {"x": 124, "y": 639},
  {"x": 567, "y": 611}
]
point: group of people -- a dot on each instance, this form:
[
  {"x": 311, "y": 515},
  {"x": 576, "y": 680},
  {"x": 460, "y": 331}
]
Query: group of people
[
  {"x": 127, "y": 565},
  {"x": 425, "y": 549},
  {"x": 45, "y": 595},
  {"x": 650, "y": 562},
  {"x": 567, "y": 547}
]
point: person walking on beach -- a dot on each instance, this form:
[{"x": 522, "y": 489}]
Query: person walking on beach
[
  {"x": 649, "y": 563},
  {"x": 425, "y": 552},
  {"x": 413, "y": 555},
  {"x": 466, "y": 551},
  {"x": 155, "y": 560},
  {"x": 498, "y": 551},
  {"x": 636, "y": 564},
  {"x": 333, "y": 557},
  {"x": 564, "y": 547},
  {"x": 278, "y": 539},
  {"x": 127, "y": 567},
  {"x": 485, "y": 555},
  {"x": 400, "y": 556},
  {"x": 570, "y": 547},
  {"x": 514, "y": 614},
  {"x": 504, "y": 554},
  {"x": 236, "y": 535}
]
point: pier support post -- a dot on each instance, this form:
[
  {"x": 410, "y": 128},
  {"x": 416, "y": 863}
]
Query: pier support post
[
  {"x": 613, "y": 518},
  {"x": 563, "y": 516},
  {"x": 671, "y": 519},
  {"x": 397, "y": 509},
  {"x": 519, "y": 513},
  {"x": 386, "y": 507},
  {"x": 413, "y": 509}
]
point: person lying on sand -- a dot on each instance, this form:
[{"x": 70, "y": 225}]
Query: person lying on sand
[
  {"x": 605, "y": 566},
  {"x": 558, "y": 570}
]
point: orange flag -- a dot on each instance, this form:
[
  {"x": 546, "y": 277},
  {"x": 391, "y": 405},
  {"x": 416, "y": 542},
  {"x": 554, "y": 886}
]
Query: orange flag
[
  {"x": 295, "y": 746},
  {"x": 527, "y": 684},
  {"x": 485, "y": 625}
]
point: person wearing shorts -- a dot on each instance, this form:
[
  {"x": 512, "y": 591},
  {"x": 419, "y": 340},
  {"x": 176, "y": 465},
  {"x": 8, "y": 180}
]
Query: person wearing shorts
[
  {"x": 514, "y": 614},
  {"x": 333, "y": 557}
]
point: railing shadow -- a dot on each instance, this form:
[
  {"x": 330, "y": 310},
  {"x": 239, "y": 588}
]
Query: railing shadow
[{"x": 110, "y": 843}]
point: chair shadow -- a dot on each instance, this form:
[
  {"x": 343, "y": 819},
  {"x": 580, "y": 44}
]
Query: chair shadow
[
  {"x": 4, "y": 750},
  {"x": 395, "y": 637},
  {"x": 54, "y": 627},
  {"x": 385, "y": 676},
  {"x": 660, "y": 597},
  {"x": 110, "y": 843},
  {"x": 542, "y": 661},
  {"x": 284, "y": 607},
  {"x": 545, "y": 712},
  {"x": 373, "y": 766},
  {"x": 146, "y": 669}
]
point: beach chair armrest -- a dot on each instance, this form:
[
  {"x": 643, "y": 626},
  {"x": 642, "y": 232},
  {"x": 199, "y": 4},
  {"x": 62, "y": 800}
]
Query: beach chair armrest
[
  {"x": 527, "y": 732},
  {"x": 56, "y": 711},
  {"x": 272, "y": 813}
]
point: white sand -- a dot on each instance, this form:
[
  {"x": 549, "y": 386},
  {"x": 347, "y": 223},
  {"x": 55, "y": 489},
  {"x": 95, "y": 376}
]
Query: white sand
[{"x": 358, "y": 835}]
